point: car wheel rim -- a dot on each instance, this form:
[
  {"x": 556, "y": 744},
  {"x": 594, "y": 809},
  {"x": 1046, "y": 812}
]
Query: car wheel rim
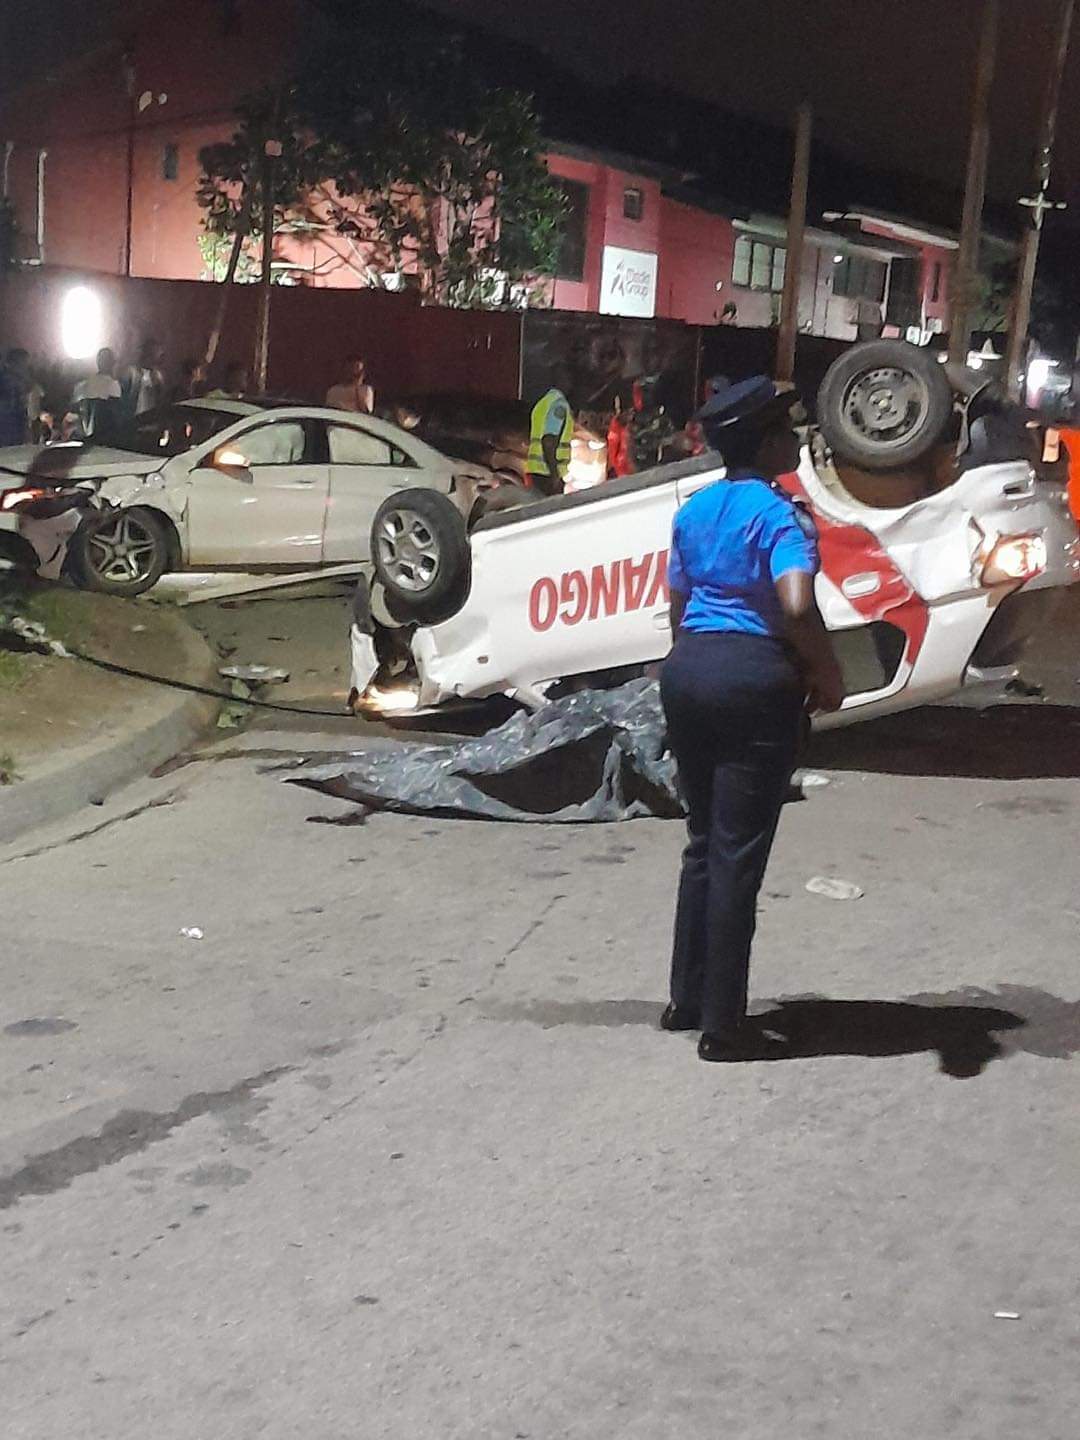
[
  {"x": 408, "y": 550},
  {"x": 885, "y": 407},
  {"x": 122, "y": 551}
]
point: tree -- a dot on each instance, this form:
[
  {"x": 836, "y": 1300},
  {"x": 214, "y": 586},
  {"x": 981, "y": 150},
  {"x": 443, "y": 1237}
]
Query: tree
[
  {"x": 430, "y": 171},
  {"x": 231, "y": 191},
  {"x": 406, "y": 160}
]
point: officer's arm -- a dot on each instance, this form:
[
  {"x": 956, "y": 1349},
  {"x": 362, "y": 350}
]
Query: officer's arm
[
  {"x": 678, "y": 606},
  {"x": 807, "y": 633}
]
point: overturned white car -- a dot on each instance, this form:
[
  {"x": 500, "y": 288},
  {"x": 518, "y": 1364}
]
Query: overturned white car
[{"x": 921, "y": 597}]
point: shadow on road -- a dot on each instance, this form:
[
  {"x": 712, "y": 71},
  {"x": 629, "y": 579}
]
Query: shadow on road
[
  {"x": 962, "y": 1027},
  {"x": 1004, "y": 742}
]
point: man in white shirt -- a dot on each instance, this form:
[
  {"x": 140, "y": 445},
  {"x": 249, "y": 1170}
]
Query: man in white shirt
[
  {"x": 89, "y": 396},
  {"x": 353, "y": 393},
  {"x": 102, "y": 386}
]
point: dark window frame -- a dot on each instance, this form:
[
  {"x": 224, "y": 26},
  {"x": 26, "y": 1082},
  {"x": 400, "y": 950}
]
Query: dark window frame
[
  {"x": 170, "y": 161},
  {"x": 633, "y": 203},
  {"x": 752, "y": 259},
  {"x": 574, "y": 240},
  {"x": 860, "y": 277}
]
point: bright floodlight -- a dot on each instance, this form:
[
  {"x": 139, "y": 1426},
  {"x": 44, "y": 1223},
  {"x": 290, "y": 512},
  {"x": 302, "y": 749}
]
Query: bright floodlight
[{"x": 81, "y": 323}]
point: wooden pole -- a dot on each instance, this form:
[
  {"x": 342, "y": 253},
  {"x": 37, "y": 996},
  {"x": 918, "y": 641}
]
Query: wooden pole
[
  {"x": 1038, "y": 205},
  {"x": 967, "y": 258},
  {"x": 243, "y": 225},
  {"x": 789, "y": 305},
  {"x": 262, "y": 330}
]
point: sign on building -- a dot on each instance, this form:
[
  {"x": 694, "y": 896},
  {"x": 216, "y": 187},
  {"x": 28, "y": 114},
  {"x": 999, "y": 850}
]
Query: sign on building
[{"x": 628, "y": 282}]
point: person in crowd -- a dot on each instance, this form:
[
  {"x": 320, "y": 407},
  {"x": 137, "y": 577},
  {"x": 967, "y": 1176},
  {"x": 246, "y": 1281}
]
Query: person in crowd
[
  {"x": 751, "y": 655},
  {"x": 353, "y": 391},
  {"x": 193, "y": 383},
  {"x": 236, "y": 382},
  {"x": 142, "y": 384},
  {"x": 15, "y": 397},
  {"x": 96, "y": 399},
  {"x": 550, "y": 434}
]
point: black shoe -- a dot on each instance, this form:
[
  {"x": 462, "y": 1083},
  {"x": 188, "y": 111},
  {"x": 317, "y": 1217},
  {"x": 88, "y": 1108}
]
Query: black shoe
[
  {"x": 748, "y": 1041},
  {"x": 675, "y": 1019}
]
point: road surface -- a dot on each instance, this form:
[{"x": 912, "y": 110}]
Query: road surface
[{"x": 387, "y": 1144}]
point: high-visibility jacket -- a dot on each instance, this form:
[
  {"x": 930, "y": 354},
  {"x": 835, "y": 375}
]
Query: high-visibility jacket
[{"x": 551, "y": 416}]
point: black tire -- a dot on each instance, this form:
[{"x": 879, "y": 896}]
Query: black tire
[
  {"x": 18, "y": 557},
  {"x": 420, "y": 551},
  {"x": 884, "y": 404},
  {"x": 119, "y": 552}
]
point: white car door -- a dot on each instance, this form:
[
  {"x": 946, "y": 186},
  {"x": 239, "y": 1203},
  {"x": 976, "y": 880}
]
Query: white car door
[
  {"x": 259, "y": 498},
  {"x": 364, "y": 470}
]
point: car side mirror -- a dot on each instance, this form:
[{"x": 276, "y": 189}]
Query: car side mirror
[{"x": 234, "y": 464}]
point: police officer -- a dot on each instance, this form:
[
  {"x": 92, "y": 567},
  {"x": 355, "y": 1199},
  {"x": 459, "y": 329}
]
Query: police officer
[
  {"x": 551, "y": 432},
  {"x": 751, "y": 655}
]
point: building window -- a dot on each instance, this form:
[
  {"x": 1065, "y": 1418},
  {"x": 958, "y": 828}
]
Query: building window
[
  {"x": 633, "y": 203},
  {"x": 571, "y": 262},
  {"x": 856, "y": 277},
  {"x": 935, "y": 284},
  {"x": 758, "y": 266},
  {"x": 170, "y": 162}
]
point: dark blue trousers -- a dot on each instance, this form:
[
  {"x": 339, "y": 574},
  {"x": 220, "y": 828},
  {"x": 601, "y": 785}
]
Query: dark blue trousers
[{"x": 734, "y": 707}]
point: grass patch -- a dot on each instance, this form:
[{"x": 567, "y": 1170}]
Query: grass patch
[{"x": 12, "y": 669}]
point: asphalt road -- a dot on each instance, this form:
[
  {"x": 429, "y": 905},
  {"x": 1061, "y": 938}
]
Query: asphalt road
[{"x": 392, "y": 1147}]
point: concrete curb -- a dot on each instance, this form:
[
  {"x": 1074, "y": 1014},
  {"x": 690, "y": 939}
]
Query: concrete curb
[{"x": 165, "y": 724}]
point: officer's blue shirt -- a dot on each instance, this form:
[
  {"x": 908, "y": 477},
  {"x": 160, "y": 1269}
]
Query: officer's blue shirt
[{"x": 730, "y": 543}]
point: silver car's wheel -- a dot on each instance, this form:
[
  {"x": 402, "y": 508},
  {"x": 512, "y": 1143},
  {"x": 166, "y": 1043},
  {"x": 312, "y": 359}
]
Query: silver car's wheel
[
  {"x": 408, "y": 550},
  {"x": 121, "y": 552}
]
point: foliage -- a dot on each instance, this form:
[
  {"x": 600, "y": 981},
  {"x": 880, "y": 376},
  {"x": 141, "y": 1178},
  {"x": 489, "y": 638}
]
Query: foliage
[
  {"x": 413, "y": 168},
  {"x": 230, "y": 188},
  {"x": 1055, "y": 314}
]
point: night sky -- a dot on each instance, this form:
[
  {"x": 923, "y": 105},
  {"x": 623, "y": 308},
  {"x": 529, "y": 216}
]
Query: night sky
[{"x": 891, "y": 79}]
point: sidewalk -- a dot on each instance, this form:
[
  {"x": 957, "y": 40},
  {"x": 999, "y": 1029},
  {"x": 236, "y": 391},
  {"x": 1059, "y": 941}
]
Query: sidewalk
[{"x": 69, "y": 732}]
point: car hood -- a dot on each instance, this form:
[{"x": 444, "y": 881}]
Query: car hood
[{"x": 63, "y": 464}]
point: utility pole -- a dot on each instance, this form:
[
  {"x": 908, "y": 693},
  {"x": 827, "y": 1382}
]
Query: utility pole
[
  {"x": 789, "y": 305},
  {"x": 1038, "y": 205},
  {"x": 132, "y": 114},
  {"x": 967, "y": 259},
  {"x": 272, "y": 149}
]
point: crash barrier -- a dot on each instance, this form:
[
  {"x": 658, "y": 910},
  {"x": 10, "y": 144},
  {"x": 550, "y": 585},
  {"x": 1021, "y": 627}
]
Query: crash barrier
[{"x": 410, "y": 348}]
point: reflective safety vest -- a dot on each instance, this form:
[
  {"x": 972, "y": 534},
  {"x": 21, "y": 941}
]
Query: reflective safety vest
[{"x": 544, "y": 422}]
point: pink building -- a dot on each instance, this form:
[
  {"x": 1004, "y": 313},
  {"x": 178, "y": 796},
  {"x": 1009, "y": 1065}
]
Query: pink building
[{"x": 101, "y": 164}]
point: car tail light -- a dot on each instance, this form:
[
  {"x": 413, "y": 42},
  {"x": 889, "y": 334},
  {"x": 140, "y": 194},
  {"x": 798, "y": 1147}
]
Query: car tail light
[{"x": 1011, "y": 559}]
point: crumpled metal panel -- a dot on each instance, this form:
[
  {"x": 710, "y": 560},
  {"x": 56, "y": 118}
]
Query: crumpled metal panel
[{"x": 598, "y": 755}]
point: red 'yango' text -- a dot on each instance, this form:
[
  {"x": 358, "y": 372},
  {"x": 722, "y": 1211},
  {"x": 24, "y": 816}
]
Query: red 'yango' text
[{"x": 612, "y": 589}]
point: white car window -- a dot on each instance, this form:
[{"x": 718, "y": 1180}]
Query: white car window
[
  {"x": 279, "y": 443},
  {"x": 349, "y": 445}
]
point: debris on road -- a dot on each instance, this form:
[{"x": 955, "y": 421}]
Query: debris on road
[
  {"x": 191, "y": 932},
  {"x": 255, "y": 674},
  {"x": 599, "y": 755},
  {"x": 1006, "y": 1315},
  {"x": 245, "y": 682},
  {"x": 831, "y": 888}
]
